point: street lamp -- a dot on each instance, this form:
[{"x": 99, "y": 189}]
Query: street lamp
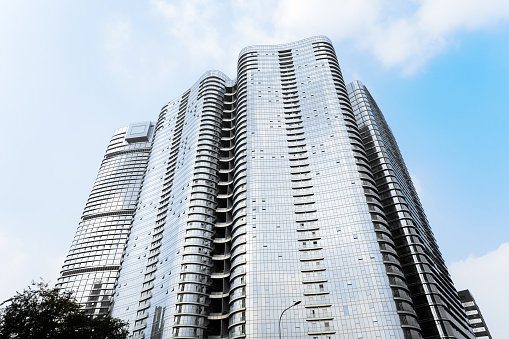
[{"x": 281, "y": 316}]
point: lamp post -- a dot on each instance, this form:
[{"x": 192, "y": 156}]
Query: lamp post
[{"x": 281, "y": 316}]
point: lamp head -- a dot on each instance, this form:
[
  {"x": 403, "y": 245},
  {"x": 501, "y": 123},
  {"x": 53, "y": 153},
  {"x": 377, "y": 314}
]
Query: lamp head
[{"x": 297, "y": 302}]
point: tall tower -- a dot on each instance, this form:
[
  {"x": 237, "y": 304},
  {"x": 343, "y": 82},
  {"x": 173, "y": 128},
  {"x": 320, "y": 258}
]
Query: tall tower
[
  {"x": 310, "y": 232},
  {"x": 92, "y": 265},
  {"x": 435, "y": 298},
  {"x": 266, "y": 190},
  {"x": 165, "y": 284}
]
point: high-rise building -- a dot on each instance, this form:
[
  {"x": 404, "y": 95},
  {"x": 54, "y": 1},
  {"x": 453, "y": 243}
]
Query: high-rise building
[
  {"x": 92, "y": 265},
  {"x": 433, "y": 294},
  {"x": 252, "y": 194},
  {"x": 474, "y": 315}
]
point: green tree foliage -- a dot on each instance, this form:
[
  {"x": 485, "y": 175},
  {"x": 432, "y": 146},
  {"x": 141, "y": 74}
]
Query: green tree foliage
[{"x": 43, "y": 312}]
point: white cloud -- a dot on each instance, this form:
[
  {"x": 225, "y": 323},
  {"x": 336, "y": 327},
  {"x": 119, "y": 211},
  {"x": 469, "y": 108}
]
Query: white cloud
[
  {"x": 195, "y": 35},
  {"x": 191, "y": 23},
  {"x": 442, "y": 17},
  {"x": 397, "y": 34},
  {"x": 487, "y": 278}
]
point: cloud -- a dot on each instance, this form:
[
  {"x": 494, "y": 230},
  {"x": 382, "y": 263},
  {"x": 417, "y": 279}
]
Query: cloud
[
  {"x": 487, "y": 278},
  {"x": 187, "y": 37},
  {"x": 398, "y": 33},
  {"x": 441, "y": 17},
  {"x": 191, "y": 23}
]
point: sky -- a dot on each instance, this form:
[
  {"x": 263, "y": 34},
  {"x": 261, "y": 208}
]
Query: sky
[{"x": 72, "y": 72}]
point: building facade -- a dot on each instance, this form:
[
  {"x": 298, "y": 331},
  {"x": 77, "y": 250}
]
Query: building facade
[
  {"x": 475, "y": 318},
  {"x": 282, "y": 185},
  {"x": 433, "y": 293},
  {"x": 93, "y": 262}
]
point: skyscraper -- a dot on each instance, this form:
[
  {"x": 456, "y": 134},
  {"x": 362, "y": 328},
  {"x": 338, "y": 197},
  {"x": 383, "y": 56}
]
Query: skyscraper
[
  {"x": 92, "y": 265},
  {"x": 433, "y": 294},
  {"x": 281, "y": 185}
]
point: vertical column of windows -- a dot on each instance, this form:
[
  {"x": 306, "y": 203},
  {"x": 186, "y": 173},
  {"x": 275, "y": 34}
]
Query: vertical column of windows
[
  {"x": 220, "y": 289},
  {"x": 316, "y": 292},
  {"x": 189, "y": 319},
  {"x": 194, "y": 288},
  {"x": 237, "y": 219},
  {"x": 150, "y": 272},
  {"x": 238, "y": 230}
]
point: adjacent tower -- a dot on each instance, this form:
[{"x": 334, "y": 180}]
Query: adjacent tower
[
  {"x": 281, "y": 185},
  {"x": 92, "y": 265},
  {"x": 434, "y": 296}
]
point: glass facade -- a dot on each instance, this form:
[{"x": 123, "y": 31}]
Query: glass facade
[
  {"x": 92, "y": 265},
  {"x": 266, "y": 190},
  {"x": 475, "y": 318},
  {"x": 435, "y": 298}
]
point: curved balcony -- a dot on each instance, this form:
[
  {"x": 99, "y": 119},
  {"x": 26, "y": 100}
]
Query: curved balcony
[
  {"x": 224, "y": 209},
  {"x": 225, "y": 183},
  {"x": 147, "y": 287},
  {"x": 222, "y": 256},
  {"x": 140, "y": 326},
  {"x": 225, "y": 170},
  {"x": 220, "y": 275},
  {"x": 323, "y": 330},
  {"x": 319, "y": 316},
  {"x": 142, "y": 316},
  {"x": 225, "y": 195},
  {"x": 218, "y": 316},
  {"x": 219, "y": 295},
  {"x": 145, "y": 296},
  {"x": 222, "y": 240},
  {"x": 226, "y": 223},
  {"x": 149, "y": 278}
]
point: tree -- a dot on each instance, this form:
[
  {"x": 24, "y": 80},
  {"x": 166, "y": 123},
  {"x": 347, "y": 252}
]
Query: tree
[{"x": 43, "y": 312}]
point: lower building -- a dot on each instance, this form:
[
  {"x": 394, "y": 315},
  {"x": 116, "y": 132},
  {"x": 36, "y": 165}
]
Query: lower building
[
  {"x": 283, "y": 187},
  {"x": 475, "y": 318}
]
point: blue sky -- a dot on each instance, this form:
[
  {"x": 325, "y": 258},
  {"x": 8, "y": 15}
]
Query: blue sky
[{"x": 73, "y": 72}]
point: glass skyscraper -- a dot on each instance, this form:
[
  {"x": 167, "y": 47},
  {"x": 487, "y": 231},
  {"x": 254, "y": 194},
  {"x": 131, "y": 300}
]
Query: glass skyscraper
[{"x": 248, "y": 195}]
